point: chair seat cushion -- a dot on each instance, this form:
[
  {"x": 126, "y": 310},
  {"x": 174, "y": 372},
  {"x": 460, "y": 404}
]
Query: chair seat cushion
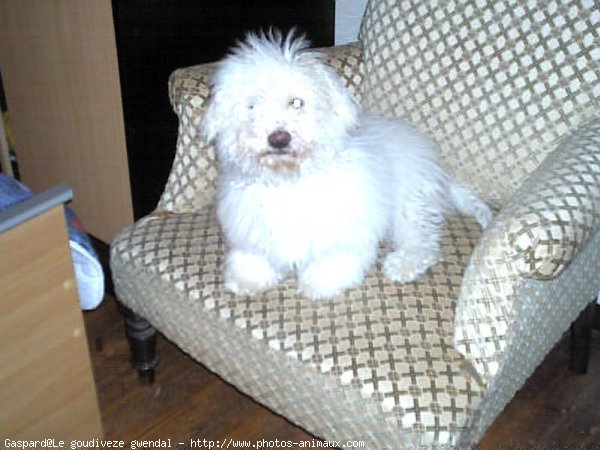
[{"x": 375, "y": 364}]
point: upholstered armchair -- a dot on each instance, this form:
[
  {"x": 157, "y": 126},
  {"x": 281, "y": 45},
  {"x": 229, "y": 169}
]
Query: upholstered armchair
[{"x": 510, "y": 92}]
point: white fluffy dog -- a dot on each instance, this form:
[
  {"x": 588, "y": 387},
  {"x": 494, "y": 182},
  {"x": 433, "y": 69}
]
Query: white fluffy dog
[{"x": 310, "y": 184}]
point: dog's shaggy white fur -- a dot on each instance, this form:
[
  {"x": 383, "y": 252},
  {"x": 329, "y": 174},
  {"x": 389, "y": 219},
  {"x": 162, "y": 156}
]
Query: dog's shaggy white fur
[{"x": 310, "y": 184}]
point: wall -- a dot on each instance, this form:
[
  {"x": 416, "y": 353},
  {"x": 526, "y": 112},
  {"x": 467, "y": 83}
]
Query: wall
[{"x": 348, "y": 14}]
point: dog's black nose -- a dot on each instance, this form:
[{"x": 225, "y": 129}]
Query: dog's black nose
[{"x": 279, "y": 139}]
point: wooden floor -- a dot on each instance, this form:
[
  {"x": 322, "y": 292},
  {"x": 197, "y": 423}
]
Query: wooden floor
[{"x": 554, "y": 410}]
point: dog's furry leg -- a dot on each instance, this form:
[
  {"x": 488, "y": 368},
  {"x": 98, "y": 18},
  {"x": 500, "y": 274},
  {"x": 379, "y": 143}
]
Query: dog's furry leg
[
  {"x": 407, "y": 264},
  {"x": 332, "y": 274},
  {"x": 416, "y": 243},
  {"x": 418, "y": 229},
  {"x": 467, "y": 203},
  {"x": 248, "y": 273}
]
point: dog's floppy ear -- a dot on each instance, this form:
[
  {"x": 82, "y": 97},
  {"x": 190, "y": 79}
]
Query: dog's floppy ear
[
  {"x": 340, "y": 101},
  {"x": 209, "y": 124}
]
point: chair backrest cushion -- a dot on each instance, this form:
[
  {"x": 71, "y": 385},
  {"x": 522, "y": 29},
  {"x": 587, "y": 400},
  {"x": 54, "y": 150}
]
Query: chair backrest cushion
[{"x": 497, "y": 83}]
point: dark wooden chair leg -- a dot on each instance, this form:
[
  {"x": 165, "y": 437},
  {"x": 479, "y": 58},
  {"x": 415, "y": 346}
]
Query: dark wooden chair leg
[
  {"x": 142, "y": 343},
  {"x": 581, "y": 333}
]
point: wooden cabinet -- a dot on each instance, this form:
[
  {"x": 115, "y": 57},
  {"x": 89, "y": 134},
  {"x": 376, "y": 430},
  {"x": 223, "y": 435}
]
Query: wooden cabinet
[{"x": 46, "y": 382}]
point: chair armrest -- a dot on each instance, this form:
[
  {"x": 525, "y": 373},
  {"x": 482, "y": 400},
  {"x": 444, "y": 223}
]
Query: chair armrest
[
  {"x": 535, "y": 236},
  {"x": 558, "y": 206},
  {"x": 192, "y": 180},
  {"x": 190, "y": 83}
]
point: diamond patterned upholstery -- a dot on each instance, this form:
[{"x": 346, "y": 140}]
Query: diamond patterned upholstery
[
  {"x": 384, "y": 351},
  {"x": 510, "y": 91},
  {"x": 497, "y": 84},
  {"x": 536, "y": 236}
]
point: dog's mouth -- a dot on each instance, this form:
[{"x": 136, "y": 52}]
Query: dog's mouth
[
  {"x": 279, "y": 152},
  {"x": 286, "y": 152},
  {"x": 281, "y": 160}
]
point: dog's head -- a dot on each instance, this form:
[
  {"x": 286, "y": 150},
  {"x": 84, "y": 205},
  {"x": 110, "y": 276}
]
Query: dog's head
[{"x": 275, "y": 106}]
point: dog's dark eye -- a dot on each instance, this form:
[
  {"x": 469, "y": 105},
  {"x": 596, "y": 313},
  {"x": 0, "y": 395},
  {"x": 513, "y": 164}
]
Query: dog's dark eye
[
  {"x": 296, "y": 103},
  {"x": 250, "y": 106}
]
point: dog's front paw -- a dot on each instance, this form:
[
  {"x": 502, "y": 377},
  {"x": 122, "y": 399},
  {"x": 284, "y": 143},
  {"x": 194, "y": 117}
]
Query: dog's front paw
[
  {"x": 406, "y": 266},
  {"x": 248, "y": 273},
  {"x": 483, "y": 214},
  {"x": 330, "y": 276}
]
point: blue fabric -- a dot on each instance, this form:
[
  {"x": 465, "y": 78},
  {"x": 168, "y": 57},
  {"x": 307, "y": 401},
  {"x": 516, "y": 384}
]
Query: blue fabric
[{"x": 11, "y": 192}]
